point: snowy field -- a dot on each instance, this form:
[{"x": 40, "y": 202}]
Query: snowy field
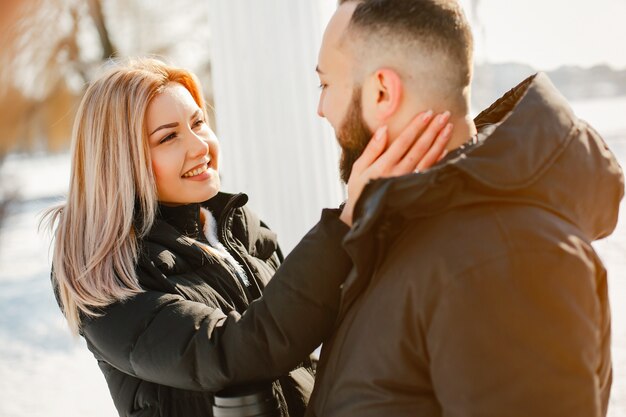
[{"x": 45, "y": 372}]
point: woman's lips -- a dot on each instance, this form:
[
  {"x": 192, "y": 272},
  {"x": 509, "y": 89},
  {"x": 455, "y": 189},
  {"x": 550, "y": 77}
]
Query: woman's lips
[{"x": 198, "y": 169}]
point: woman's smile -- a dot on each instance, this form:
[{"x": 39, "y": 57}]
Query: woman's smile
[{"x": 200, "y": 169}]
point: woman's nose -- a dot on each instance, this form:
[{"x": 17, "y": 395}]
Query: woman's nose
[{"x": 199, "y": 146}]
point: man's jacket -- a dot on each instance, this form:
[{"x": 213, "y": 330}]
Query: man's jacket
[{"x": 476, "y": 291}]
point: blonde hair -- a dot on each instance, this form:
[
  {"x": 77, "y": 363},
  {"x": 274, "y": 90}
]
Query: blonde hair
[{"x": 112, "y": 199}]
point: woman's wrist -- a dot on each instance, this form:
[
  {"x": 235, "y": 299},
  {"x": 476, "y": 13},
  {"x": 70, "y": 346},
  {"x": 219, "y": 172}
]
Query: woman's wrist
[{"x": 346, "y": 213}]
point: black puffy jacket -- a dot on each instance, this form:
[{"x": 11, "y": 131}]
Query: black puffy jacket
[{"x": 197, "y": 328}]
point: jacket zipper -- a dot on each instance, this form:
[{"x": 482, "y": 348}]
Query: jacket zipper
[{"x": 226, "y": 215}]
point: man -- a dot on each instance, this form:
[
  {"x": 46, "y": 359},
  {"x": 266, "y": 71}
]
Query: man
[{"x": 475, "y": 289}]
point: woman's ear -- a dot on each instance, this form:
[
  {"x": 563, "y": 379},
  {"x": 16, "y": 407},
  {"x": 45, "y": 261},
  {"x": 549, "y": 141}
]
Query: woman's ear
[{"x": 383, "y": 95}]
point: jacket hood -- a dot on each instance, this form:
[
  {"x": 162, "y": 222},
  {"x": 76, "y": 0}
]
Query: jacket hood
[{"x": 536, "y": 152}]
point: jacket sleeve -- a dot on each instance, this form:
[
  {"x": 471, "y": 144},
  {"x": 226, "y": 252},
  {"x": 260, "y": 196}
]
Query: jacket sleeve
[
  {"x": 166, "y": 339},
  {"x": 523, "y": 336}
]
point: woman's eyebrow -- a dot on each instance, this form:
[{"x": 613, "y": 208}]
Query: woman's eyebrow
[
  {"x": 195, "y": 114},
  {"x": 167, "y": 126}
]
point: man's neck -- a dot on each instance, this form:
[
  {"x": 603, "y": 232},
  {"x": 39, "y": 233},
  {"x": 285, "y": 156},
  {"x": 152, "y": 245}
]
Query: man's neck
[{"x": 463, "y": 130}]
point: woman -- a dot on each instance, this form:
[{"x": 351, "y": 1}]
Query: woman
[{"x": 157, "y": 269}]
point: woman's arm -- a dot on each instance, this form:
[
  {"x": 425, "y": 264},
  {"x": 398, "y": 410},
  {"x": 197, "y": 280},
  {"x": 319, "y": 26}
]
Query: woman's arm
[{"x": 166, "y": 339}]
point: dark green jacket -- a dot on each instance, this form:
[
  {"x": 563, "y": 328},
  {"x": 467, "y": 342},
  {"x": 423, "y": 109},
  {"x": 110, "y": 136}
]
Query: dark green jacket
[
  {"x": 197, "y": 329},
  {"x": 476, "y": 291}
]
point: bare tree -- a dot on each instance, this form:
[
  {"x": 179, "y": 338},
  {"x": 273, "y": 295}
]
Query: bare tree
[
  {"x": 55, "y": 46},
  {"x": 95, "y": 10}
]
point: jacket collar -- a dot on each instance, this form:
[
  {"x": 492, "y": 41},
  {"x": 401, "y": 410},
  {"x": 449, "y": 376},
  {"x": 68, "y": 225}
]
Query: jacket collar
[
  {"x": 186, "y": 218},
  {"x": 223, "y": 202}
]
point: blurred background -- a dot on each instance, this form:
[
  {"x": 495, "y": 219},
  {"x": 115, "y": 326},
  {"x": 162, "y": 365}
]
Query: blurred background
[{"x": 256, "y": 61}]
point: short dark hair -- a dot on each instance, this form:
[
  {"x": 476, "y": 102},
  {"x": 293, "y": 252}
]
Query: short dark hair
[{"x": 437, "y": 26}]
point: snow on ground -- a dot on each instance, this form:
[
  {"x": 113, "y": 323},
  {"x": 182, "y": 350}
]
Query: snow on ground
[
  {"x": 46, "y": 372},
  {"x": 43, "y": 370}
]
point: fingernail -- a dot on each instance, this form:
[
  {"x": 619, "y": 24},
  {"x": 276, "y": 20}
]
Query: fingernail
[
  {"x": 380, "y": 133},
  {"x": 426, "y": 116},
  {"x": 444, "y": 117}
]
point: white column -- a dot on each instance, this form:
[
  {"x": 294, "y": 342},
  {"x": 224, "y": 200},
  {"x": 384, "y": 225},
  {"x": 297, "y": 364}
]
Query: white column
[{"x": 274, "y": 146}]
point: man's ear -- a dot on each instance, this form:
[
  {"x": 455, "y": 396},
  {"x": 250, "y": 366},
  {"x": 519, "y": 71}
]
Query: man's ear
[{"x": 384, "y": 94}]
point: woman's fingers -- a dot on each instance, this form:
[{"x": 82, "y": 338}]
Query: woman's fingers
[
  {"x": 372, "y": 151},
  {"x": 404, "y": 141},
  {"x": 420, "y": 145},
  {"x": 434, "y": 135},
  {"x": 438, "y": 150}
]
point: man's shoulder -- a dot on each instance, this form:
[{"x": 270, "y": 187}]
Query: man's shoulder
[{"x": 451, "y": 245}]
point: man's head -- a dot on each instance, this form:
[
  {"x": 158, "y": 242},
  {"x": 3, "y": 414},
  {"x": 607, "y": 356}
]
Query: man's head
[{"x": 383, "y": 61}]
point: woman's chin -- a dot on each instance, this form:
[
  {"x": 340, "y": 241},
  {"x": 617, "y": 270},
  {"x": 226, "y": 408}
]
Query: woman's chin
[
  {"x": 212, "y": 194},
  {"x": 207, "y": 195},
  {"x": 191, "y": 198},
  {"x": 207, "y": 191}
]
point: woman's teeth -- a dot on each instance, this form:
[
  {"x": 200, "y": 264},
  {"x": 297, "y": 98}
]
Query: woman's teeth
[{"x": 196, "y": 171}]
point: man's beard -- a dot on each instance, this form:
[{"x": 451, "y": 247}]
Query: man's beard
[{"x": 353, "y": 136}]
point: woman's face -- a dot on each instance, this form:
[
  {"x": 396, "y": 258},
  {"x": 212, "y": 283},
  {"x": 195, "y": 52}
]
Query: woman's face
[{"x": 184, "y": 150}]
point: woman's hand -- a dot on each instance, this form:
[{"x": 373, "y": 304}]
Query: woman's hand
[{"x": 420, "y": 145}]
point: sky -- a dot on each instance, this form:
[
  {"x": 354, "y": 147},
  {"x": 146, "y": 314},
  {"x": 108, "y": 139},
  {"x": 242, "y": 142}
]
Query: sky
[{"x": 550, "y": 33}]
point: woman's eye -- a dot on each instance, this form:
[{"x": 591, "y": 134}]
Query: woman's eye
[
  {"x": 198, "y": 122},
  {"x": 322, "y": 86},
  {"x": 168, "y": 138}
]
